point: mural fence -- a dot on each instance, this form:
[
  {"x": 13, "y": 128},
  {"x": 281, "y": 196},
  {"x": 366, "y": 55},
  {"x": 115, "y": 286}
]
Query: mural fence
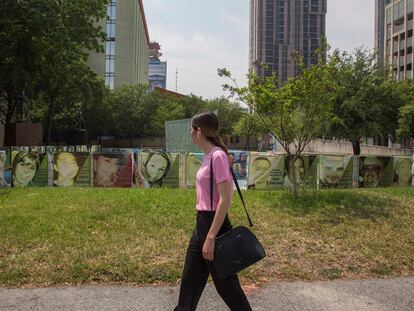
[{"x": 84, "y": 166}]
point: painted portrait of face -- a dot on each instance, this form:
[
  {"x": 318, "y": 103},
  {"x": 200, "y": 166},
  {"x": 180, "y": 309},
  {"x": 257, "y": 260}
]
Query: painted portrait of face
[
  {"x": 261, "y": 169},
  {"x": 332, "y": 169},
  {"x": 403, "y": 172},
  {"x": 154, "y": 167},
  {"x": 106, "y": 168},
  {"x": 371, "y": 171},
  {"x": 243, "y": 171},
  {"x": 243, "y": 157},
  {"x": 24, "y": 167},
  {"x": 66, "y": 169}
]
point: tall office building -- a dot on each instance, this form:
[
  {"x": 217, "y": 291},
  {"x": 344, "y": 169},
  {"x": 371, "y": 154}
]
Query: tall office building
[
  {"x": 398, "y": 31},
  {"x": 157, "y": 68},
  {"x": 279, "y": 28},
  {"x": 380, "y": 29},
  {"x": 125, "y": 60}
]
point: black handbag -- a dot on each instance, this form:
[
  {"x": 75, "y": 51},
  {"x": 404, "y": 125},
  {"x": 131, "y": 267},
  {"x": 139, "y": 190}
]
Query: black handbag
[{"x": 238, "y": 248}]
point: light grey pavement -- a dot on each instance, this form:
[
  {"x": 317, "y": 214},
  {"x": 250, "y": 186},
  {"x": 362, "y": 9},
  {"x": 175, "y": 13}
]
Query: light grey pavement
[{"x": 375, "y": 295}]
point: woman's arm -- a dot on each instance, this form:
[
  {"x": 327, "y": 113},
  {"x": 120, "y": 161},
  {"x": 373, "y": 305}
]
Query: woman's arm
[{"x": 225, "y": 190}]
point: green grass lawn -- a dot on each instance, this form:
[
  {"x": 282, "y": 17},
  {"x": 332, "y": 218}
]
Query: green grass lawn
[{"x": 51, "y": 236}]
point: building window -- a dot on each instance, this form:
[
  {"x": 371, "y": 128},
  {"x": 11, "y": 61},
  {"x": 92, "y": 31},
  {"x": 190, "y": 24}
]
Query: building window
[
  {"x": 388, "y": 16},
  {"x": 322, "y": 19},
  {"x": 110, "y": 29},
  {"x": 110, "y": 48},
  {"x": 314, "y": 42},
  {"x": 111, "y": 10},
  {"x": 110, "y": 65},
  {"x": 410, "y": 9},
  {"x": 110, "y": 81},
  {"x": 110, "y": 45},
  {"x": 398, "y": 16},
  {"x": 313, "y": 20}
]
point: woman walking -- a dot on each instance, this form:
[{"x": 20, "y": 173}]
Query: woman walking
[{"x": 212, "y": 221}]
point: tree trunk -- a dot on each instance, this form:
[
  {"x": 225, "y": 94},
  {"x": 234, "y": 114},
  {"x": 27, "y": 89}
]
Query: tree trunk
[
  {"x": 356, "y": 147},
  {"x": 246, "y": 146},
  {"x": 292, "y": 170}
]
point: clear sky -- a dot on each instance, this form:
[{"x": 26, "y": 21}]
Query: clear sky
[{"x": 199, "y": 36}]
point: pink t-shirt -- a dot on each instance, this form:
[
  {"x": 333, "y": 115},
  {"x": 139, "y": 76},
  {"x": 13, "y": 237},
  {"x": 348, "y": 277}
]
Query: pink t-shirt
[{"x": 221, "y": 172}]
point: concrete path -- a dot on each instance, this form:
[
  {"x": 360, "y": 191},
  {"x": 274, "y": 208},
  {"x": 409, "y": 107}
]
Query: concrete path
[{"x": 375, "y": 295}]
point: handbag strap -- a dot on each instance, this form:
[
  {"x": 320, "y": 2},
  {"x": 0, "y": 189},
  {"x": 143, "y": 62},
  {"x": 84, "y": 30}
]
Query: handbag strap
[{"x": 237, "y": 186}]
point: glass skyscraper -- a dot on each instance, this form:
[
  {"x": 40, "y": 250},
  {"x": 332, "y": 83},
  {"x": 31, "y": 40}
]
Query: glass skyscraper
[
  {"x": 380, "y": 29},
  {"x": 280, "y": 28}
]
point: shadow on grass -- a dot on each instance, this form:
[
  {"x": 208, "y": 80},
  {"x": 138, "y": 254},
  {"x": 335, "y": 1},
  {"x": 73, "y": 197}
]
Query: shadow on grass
[{"x": 336, "y": 206}]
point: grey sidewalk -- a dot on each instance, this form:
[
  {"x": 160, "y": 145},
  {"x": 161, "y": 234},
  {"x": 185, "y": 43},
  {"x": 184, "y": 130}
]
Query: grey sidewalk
[{"x": 378, "y": 295}]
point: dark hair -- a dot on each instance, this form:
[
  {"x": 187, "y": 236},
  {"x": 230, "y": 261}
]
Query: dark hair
[
  {"x": 121, "y": 156},
  {"x": 23, "y": 154},
  {"x": 209, "y": 125}
]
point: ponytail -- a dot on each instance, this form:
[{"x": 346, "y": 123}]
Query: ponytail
[{"x": 216, "y": 141}]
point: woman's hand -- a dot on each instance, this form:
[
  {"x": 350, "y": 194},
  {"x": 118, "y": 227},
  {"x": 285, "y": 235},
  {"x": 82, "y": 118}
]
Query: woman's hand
[
  {"x": 225, "y": 190},
  {"x": 208, "y": 249}
]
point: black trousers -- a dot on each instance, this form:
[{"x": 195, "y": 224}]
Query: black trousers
[{"x": 197, "y": 269}]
